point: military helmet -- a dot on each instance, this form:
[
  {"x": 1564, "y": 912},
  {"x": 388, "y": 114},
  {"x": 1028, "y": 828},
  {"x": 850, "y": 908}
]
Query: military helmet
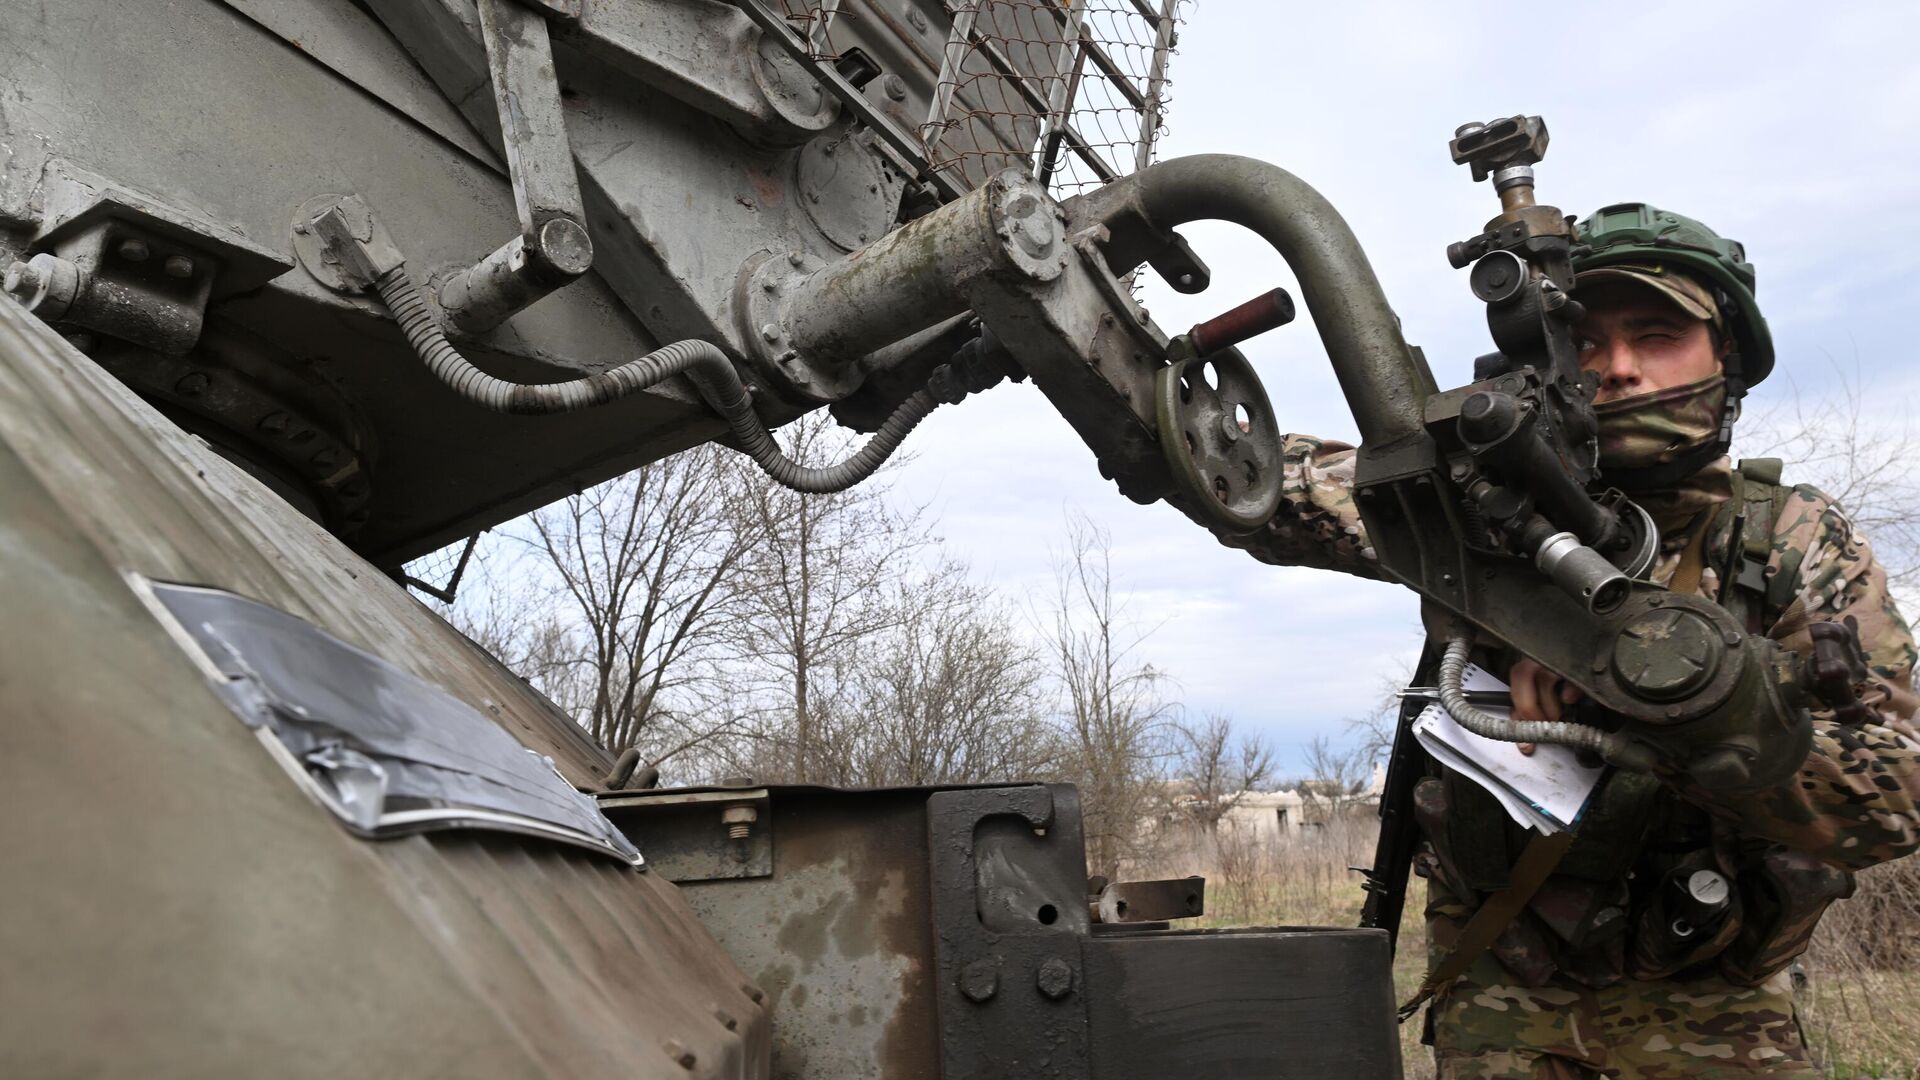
[{"x": 1627, "y": 233}]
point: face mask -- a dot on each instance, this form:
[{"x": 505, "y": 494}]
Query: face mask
[{"x": 1646, "y": 430}]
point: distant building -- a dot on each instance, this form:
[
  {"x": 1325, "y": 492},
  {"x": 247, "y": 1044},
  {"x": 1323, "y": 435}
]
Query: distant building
[{"x": 1274, "y": 815}]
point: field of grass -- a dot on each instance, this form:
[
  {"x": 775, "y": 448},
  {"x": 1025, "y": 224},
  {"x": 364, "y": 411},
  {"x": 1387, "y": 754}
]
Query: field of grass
[{"x": 1860, "y": 1007}]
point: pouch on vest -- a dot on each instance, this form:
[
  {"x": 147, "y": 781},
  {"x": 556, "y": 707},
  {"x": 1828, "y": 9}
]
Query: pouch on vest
[
  {"x": 1683, "y": 922},
  {"x": 1783, "y": 895}
]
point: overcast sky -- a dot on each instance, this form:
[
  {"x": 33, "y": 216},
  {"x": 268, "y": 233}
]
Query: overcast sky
[{"x": 1794, "y": 128}]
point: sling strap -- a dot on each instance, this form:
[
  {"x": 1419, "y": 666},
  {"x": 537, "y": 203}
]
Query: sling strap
[
  {"x": 1535, "y": 865},
  {"x": 1693, "y": 563}
]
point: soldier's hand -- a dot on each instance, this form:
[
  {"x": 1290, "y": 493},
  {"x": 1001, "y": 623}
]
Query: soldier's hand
[{"x": 1538, "y": 694}]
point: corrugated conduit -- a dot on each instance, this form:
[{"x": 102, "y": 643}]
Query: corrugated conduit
[
  {"x": 1453, "y": 698},
  {"x": 703, "y": 364}
]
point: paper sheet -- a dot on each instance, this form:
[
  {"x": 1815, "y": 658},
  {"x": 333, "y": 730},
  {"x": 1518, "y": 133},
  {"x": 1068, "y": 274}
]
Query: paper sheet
[{"x": 1547, "y": 790}]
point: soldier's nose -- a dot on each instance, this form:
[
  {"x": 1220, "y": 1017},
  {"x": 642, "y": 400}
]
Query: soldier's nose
[{"x": 1621, "y": 371}]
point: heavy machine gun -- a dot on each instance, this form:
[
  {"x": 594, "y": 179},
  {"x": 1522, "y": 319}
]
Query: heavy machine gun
[{"x": 263, "y": 339}]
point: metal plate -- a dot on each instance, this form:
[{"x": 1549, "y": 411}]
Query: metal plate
[{"x": 1267, "y": 1004}]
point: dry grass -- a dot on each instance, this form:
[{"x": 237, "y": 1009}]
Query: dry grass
[{"x": 1860, "y": 1006}]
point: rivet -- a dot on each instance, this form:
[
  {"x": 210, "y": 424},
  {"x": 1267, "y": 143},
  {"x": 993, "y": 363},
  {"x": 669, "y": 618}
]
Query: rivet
[
  {"x": 726, "y": 1018},
  {"x": 134, "y": 250},
  {"x": 193, "y": 384},
  {"x": 754, "y": 993},
  {"x": 681, "y": 1056},
  {"x": 178, "y": 266}
]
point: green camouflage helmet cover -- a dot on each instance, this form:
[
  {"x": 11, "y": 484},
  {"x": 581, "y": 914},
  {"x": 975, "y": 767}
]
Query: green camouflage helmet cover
[{"x": 1627, "y": 233}]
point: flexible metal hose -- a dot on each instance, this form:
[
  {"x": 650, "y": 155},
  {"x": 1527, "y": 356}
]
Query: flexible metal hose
[
  {"x": 1453, "y": 698},
  {"x": 701, "y": 362}
]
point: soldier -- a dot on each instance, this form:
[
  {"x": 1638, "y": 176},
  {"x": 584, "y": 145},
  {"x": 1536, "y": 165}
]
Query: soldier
[{"x": 1659, "y": 945}]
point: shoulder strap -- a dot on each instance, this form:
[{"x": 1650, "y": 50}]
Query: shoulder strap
[
  {"x": 1757, "y": 488},
  {"x": 1762, "y": 470},
  {"x": 1542, "y": 854}
]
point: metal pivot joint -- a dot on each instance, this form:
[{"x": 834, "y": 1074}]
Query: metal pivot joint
[
  {"x": 811, "y": 325},
  {"x": 1217, "y": 429},
  {"x": 552, "y": 247}
]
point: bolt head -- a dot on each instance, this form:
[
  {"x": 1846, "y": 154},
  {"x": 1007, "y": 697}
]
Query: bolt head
[
  {"x": 1054, "y": 979},
  {"x": 795, "y": 258},
  {"x": 980, "y": 980},
  {"x": 21, "y": 280},
  {"x": 133, "y": 250},
  {"x": 769, "y": 333},
  {"x": 178, "y": 266}
]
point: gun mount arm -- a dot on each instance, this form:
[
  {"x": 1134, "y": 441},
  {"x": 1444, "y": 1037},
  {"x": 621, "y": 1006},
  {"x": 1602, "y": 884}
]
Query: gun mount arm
[
  {"x": 1677, "y": 669},
  {"x": 1384, "y": 380}
]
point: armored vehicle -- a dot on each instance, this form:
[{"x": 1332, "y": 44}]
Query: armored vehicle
[
  {"x": 298, "y": 291},
  {"x": 303, "y": 289}
]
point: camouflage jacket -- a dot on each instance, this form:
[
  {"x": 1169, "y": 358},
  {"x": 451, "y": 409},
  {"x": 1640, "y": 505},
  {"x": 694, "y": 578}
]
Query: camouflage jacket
[
  {"x": 1852, "y": 804},
  {"x": 1856, "y": 802}
]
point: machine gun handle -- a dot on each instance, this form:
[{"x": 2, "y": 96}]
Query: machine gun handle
[
  {"x": 1837, "y": 667},
  {"x": 1268, "y": 311}
]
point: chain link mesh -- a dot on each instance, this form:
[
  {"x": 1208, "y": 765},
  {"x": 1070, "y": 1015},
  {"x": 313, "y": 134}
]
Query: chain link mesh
[
  {"x": 1073, "y": 91},
  {"x": 437, "y": 573}
]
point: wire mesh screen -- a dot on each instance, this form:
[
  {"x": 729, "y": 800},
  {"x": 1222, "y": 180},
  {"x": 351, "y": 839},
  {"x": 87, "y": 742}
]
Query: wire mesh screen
[
  {"x": 438, "y": 573},
  {"x": 1073, "y": 91}
]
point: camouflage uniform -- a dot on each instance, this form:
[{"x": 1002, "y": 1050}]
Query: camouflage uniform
[{"x": 1535, "y": 1006}]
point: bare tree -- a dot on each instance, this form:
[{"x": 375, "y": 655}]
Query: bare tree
[
  {"x": 640, "y": 574},
  {"x": 1864, "y": 460},
  {"x": 1218, "y": 767},
  {"x": 946, "y": 693},
  {"x": 813, "y": 593},
  {"x": 1336, "y": 777},
  {"x": 1114, "y": 714},
  {"x": 1374, "y": 729}
]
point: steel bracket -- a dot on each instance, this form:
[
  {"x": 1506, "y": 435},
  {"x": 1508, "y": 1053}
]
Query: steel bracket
[
  {"x": 113, "y": 260},
  {"x": 1010, "y": 918},
  {"x": 552, "y": 247}
]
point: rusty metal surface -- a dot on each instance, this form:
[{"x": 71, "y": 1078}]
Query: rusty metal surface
[
  {"x": 1151, "y": 901},
  {"x": 839, "y": 935},
  {"x": 177, "y": 907},
  {"x": 698, "y": 835}
]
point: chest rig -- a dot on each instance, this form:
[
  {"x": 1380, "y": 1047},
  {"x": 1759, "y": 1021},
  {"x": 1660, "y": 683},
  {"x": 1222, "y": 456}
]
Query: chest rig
[{"x": 1589, "y": 919}]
